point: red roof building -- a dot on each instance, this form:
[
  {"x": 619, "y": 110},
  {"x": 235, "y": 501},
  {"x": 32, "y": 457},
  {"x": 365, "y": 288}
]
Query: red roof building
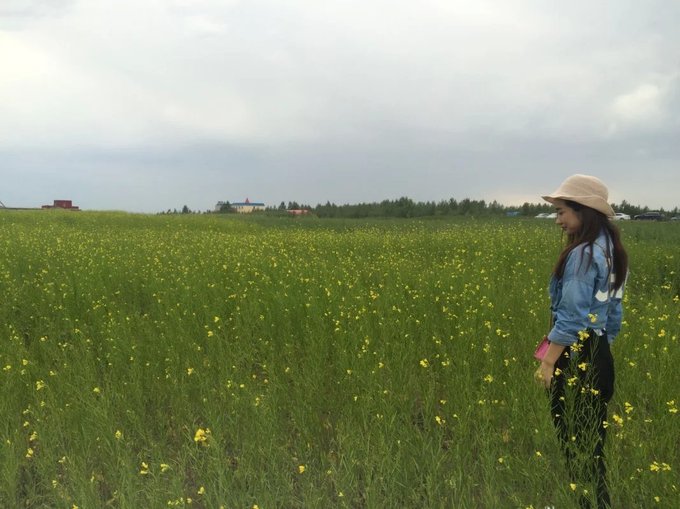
[{"x": 61, "y": 204}]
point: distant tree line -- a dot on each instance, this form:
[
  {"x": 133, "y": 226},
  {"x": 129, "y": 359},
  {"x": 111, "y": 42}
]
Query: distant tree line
[
  {"x": 405, "y": 207},
  {"x": 633, "y": 210}
]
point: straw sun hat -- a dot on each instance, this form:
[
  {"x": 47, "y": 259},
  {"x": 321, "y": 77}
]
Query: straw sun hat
[{"x": 586, "y": 190}]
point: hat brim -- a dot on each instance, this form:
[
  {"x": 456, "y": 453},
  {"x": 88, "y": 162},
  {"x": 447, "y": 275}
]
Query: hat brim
[{"x": 593, "y": 202}]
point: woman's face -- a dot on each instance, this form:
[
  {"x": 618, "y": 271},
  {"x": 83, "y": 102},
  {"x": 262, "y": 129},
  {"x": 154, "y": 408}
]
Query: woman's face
[{"x": 567, "y": 218}]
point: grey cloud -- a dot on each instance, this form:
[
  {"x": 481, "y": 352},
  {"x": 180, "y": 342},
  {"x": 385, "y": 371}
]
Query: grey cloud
[
  {"x": 346, "y": 101},
  {"x": 16, "y": 14}
]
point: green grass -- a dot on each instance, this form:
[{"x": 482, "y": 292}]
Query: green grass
[{"x": 335, "y": 363}]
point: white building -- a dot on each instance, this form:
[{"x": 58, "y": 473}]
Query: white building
[{"x": 245, "y": 207}]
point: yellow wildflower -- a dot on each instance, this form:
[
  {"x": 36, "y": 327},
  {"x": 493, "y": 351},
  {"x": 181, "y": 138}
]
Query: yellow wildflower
[
  {"x": 202, "y": 436},
  {"x": 660, "y": 467}
]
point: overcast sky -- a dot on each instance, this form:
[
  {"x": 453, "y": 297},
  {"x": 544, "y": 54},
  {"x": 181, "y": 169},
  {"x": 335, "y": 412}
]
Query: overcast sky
[{"x": 145, "y": 105}]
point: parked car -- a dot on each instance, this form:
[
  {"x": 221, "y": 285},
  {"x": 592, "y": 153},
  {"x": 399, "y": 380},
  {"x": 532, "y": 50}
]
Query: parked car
[
  {"x": 650, "y": 216},
  {"x": 675, "y": 218},
  {"x": 543, "y": 215},
  {"x": 620, "y": 216}
]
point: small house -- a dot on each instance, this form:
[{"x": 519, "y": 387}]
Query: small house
[{"x": 61, "y": 204}]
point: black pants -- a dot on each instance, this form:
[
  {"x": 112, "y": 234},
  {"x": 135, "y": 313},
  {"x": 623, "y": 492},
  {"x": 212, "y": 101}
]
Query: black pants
[{"x": 581, "y": 389}]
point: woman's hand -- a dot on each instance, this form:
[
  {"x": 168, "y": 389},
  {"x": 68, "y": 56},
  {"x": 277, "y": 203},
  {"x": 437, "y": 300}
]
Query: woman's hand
[
  {"x": 546, "y": 370},
  {"x": 544, "y": 373}
]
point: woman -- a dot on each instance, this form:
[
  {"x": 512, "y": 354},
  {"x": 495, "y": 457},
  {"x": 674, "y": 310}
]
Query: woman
[{"x": 586, "y": 288}]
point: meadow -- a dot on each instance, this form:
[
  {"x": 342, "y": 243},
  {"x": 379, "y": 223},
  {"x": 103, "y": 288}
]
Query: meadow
[{"x": 253, "y": 362}]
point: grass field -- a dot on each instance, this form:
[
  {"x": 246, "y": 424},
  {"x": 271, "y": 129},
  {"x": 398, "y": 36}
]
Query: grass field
[{"x": 207, "y": 362}]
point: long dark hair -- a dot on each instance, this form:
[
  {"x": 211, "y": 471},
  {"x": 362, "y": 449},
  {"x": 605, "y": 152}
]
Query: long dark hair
[{"x": 592, "y": 224}]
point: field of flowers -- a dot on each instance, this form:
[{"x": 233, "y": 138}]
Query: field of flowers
[{"x": 208, "y": 362}]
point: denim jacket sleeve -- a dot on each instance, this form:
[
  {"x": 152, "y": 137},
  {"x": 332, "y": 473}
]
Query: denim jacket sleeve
[
  {"x": 615, "y": 314},
  {"x": 576, "y": 300}
]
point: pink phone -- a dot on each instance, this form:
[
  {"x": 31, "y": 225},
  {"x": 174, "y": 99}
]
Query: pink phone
[{"x": 542, "y": 348}]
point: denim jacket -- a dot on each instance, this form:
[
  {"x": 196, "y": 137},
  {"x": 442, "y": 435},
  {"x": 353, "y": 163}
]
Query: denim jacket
[{"x": 584, "y": 298}]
